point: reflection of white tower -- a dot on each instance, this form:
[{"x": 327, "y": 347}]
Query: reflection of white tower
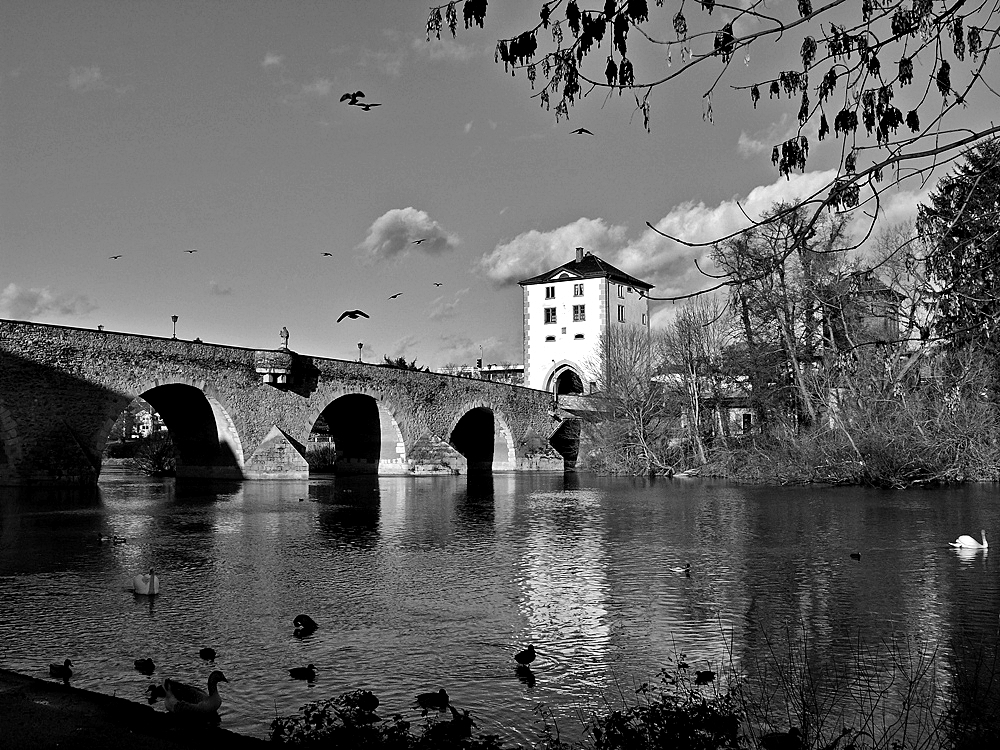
[
  {"x": 564, "y": 585},
  {"x": 565, "y": 312}
]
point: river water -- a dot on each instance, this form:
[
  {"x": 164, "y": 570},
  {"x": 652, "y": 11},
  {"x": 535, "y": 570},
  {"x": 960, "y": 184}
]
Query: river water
[{"x": 431, "y": 582}]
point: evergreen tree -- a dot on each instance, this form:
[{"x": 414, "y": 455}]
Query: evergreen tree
[{"x": 962, "y": 226}]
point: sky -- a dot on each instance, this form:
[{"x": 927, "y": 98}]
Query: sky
[{"x": 150, "y": 129}]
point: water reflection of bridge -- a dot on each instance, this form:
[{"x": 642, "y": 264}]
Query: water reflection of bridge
[{"x": 247, "y": 414}]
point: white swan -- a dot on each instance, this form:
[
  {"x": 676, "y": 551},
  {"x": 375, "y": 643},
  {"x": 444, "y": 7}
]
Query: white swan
[
  {"x": 185, "y": 699},
  {"x": 967, "y": 541},
  {"x": 146, "y": 584}
]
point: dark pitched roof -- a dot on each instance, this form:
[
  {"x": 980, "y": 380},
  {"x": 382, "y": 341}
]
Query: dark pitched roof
[{"x": 589, "y": 268}]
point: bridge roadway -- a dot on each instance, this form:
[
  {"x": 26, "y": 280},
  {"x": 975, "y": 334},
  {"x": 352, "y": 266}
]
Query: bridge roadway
[{"x": 237, "y": 413}]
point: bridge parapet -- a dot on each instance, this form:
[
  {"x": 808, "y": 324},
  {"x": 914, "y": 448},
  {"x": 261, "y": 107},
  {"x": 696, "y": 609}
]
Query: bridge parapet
[{"x": 243, "y": 413}]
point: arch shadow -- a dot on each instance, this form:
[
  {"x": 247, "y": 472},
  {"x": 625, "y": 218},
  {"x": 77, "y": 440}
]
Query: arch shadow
[
  {"x": 364, "y": 435},
  {"x": 206, "y": 443},
  {"x": 484, "y": 438}
]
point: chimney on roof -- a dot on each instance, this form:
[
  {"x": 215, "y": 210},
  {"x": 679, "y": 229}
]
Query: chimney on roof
[{"x": 579, "y": 254}]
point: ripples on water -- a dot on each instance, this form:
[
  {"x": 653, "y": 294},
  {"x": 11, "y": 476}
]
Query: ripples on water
[{"x": 422, "y": 583}]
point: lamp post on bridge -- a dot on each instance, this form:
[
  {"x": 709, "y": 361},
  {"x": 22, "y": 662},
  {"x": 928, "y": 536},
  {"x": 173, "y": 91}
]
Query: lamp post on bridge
[
  {"x": 361, "y": 345},
  {"x": 173, "y": 319}
]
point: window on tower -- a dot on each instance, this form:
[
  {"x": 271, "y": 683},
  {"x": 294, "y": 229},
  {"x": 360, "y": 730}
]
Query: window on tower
[
  {"x": 579, "y": 313},
  {"x": 550, "y": 292},
  {"x": 550, "y": 315}
]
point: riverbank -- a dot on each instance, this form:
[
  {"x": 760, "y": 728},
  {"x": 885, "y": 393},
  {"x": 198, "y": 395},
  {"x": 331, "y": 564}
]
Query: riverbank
[{"x": 42, "y": 714}]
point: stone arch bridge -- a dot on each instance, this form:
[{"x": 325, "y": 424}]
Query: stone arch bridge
[{"x": 237, "y": 413}]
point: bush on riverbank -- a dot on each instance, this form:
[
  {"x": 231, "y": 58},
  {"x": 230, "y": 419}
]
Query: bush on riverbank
[
  {"x": 349, "y": 721},
  {"x": 155, "y": 456},
  {"x": 889, "y": 697},
  {"x": 321, "y": 458}
]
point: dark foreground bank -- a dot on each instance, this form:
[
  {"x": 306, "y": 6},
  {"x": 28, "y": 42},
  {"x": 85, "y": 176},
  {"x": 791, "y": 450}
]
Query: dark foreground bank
[{"x": 47, "y": 714}]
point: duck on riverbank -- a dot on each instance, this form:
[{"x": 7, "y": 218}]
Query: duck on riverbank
[{"x": 186, "y": 699}]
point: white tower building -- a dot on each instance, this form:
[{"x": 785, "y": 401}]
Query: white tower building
[{"x": 565, "y": 312}]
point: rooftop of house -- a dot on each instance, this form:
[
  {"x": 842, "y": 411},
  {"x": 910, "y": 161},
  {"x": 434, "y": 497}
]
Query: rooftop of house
[{"x": 587, "y": 266}]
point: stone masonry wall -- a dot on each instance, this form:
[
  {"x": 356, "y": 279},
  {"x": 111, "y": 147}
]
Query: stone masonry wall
[{"x": 62, "y": 388}]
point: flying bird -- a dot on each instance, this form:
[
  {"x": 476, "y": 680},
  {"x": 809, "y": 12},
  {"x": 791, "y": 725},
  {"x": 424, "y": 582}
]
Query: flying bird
[
  {"x": 366, "y": 107},
  {"x": 422, "y": 239},
  {"x": 437, "y": 283},
  {"x": 114, "y": 257},
  {"x": 352, "y": 314},
  {"x": 397, "y": 294},
  {"x": 352, "y": 98},
  {"x": 582, "y": 131},
  {"x": 191, "y": 251},
  {"x": 329, "y": 255}
]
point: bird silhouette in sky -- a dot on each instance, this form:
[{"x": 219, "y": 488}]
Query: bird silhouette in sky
[
  {"x": 329, "y": 255},
  {"x": 366, "y": 107},
  {"x": 191, "y": 251},
  {"x": 352, "y": 98},
  {"x": 352, "y": 314},
  {"x": 437, "y": 283},
  {"x": 582, "y": 131},
  {"x": 114, "y": 257},
  {"x": 422, "y": 239},
  {"x": 395, "y": 295}
]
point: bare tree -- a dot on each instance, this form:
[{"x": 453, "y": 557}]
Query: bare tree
[
  {"x": 632, "y": 425},
  {"x": 786, "y": 266},
  {"x": 692, "y": 352}
]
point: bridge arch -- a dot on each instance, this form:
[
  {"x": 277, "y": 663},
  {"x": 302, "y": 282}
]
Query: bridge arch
[
  {"x": 204, "y": 435},
  {"x": 482, "y": 434},
  {"x": 364, "y": 432},
  {"x": 564, "y": 378}
]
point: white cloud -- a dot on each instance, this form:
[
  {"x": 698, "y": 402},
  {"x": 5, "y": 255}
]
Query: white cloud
[
  {"x": 319, "y": 87},
  {"x": 395, "y": 234},
  {"x": 650, "y": 256},
  {"x": 764, "y": 141},
  {"x": 388, "y": 62},
  {"x": 27, "y": 304},
  {"x": 535, "y": 252},
  {"x": 86, "y": 79},
  {"x": 272, "y": 59},
  {"x": 442, "y": 307},
  {"x": 468, "y": 126},
  {"x": 444, "y": 49}
]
